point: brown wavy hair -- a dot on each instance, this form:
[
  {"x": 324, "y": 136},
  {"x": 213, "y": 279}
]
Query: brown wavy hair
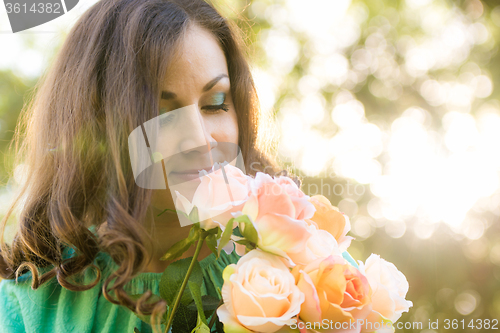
[{"x": 73, "y": 139}]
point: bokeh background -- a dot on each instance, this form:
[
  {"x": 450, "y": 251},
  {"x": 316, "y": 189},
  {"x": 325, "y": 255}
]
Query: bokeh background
[{"x": 390, "y": 108}]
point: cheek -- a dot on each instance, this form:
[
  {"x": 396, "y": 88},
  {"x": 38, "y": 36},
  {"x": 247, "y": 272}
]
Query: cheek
[
  {"x": 226, "y": 129},
  {"x": 233, "y": 128}
]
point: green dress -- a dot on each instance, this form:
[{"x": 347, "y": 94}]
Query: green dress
[{"x": 52, "y": 308}]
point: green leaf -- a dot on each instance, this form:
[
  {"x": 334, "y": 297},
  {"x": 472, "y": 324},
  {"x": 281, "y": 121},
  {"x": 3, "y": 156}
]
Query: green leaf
[
  {"x": 247, "y": 228},
  {"x": 178, "y": 249},
  {"x": 185, "y": 320},
  {"x": 173, "y": 276},
  {"x": 194, "y": 216},
  {"x": 201, "y": 326},
  {"x": 248, "y": 244},
  {"x": 215, "y": 231},
  {"x": 136, "y": 330},
  {"x": 226, "y": 236},
  {"x": 212, "y": 244},
  {"x": 195, "y": 290},
  {"x": 241, "y": 218},
  {"x": 193, "y": 233},
  {"x": 210, "y": 303},
  {"x": 243, "y": 242}
]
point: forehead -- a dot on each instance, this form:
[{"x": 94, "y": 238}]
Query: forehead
[{"x": 199, "y": 58}]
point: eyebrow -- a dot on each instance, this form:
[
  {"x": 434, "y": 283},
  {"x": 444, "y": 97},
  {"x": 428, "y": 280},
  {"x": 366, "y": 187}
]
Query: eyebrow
[{"x": 207, "y": 87}]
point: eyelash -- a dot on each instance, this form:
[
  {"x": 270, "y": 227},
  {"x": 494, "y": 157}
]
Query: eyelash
[
  {"x": 216, "y": 108},
  {"x": 213, "y": 110}
]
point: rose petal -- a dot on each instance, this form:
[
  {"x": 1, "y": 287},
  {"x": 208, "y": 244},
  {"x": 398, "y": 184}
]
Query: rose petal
[
  {"x": 230, "y": 323},
  {"x": 283, "y": 232}
]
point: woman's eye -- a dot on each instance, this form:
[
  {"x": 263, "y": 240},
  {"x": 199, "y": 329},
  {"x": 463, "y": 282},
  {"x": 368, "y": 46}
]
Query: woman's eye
[
  {"x": 215, "y": 108},
  {"x": 216, "y": 103}
]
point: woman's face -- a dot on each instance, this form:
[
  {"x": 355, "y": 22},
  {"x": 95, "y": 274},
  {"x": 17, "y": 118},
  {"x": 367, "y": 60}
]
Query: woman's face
[{"x": 203, "y": 128}]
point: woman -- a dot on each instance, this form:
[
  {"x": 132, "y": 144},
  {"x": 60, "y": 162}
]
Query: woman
[{"x": 84, "y": 220}]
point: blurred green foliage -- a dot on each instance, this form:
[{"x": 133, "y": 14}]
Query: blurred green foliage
[
  {"x": 452, "y": 274},
  {"x": 14, "y": 92}
]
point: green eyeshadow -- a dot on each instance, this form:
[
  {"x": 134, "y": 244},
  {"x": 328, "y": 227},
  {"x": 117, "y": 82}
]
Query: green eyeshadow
[{"x": 218, "y": 98}]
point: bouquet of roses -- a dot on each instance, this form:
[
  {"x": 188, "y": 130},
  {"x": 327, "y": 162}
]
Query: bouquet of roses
[{"x": 294, "y": 274}]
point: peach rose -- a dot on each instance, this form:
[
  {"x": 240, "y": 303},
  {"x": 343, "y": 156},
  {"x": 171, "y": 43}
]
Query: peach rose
[
  {"x": 216, "y": 199},
  {"x": 277, "y": 209},
  {"x": 389, "y": 288},
  {"x": 334, "y": 290},
  {"x": 259, "y": 294},
  {"x": 328, "y": 217}
]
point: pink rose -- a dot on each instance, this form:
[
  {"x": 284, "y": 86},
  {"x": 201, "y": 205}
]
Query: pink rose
[
  {"x": 389, "y": 288},
  {"x": 277, "y": 209},
  {"x": 259, "y": 294},
  {"x": 216, "y": 199},
  {"x": 298, "y": 197},
  {"x": 303, "y": 209}
]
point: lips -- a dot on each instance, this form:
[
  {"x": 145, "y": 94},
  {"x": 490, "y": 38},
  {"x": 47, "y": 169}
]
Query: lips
[
  {"x": 189, "y": 174},
  {"x": 195, "y": 171}
]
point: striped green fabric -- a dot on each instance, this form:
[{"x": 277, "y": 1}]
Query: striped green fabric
[{"x": 52, "y": 308}]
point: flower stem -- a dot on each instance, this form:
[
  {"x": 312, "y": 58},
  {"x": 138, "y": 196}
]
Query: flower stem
[
  {"x": 201, "y": 239},
  {"x": 214, "y": 315}
]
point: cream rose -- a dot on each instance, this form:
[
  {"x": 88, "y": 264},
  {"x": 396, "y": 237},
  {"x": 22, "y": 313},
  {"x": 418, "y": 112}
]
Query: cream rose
[
  {"x": 389, "y": 287},
  {"x": 259, "y": 294}
]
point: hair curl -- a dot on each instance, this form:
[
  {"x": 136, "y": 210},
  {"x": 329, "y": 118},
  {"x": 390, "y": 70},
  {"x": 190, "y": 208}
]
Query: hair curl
[{"x": 72, "y": 138}]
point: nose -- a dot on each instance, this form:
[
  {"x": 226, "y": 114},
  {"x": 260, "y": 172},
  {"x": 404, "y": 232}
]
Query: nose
[{"x": 199, "y": 138}]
